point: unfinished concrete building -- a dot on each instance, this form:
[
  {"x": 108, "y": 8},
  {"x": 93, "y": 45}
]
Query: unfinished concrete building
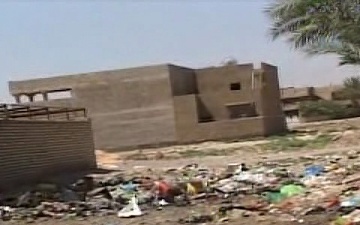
[
  {"x": 292, "y": 97},
  {"x": 166, "y": 104}
]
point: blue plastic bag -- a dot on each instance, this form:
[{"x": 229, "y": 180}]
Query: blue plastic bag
[{"x": 314, "y": 170}]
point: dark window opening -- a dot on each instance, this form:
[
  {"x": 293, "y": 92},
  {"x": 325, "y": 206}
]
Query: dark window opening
[
  {"x": 242, "y": 110},
  {"x": 206, "y": 119},
  {"x": 204, "y": 114},
  {"x": 235, "y": 86}
]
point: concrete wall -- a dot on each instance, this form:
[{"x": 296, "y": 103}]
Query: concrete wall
[
  {"x": 128, "y": 107},
  {"x": 130, "y": 110},
  {"x": 183, "y": 81},
  {"x": 295, "y": 93},
  {"x": 269, "y": 99},
  {"x": 258, "y": 87},
  {"x": 326, "y": 93},
  {"x": 218, "y": 79},
  {"x": 65, "y": 103},
  {"x": 30, "y": 150},
  {"x": 189, "y": 130},
  {"x": 214, "y": 88},
  {"x": 71, "y": 81}
]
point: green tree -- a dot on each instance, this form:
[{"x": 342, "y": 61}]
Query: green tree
[
  {"x": 319, "y": 26},
  {"x": 330, "y": 109},
  {"x": 350, "y": 90}
]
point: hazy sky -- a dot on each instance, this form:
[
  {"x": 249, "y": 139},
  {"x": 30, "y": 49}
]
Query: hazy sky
[{"x": 44, "y": 38}]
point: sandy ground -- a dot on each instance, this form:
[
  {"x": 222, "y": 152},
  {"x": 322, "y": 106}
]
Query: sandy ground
[
  {"x": 170, "y": 216},
  {"x": 222, "y": 161},
  {"x": 346, "y": 137}
]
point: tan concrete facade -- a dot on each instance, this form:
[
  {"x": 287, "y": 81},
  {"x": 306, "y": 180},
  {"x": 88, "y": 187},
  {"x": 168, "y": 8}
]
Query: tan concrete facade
[
  {"x": 167, "y": 104},
  {"x": 30, "y": 150}
]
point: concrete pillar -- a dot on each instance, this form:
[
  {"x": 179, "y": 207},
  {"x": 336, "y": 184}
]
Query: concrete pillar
[
  {"x": 17, "y": 99},
  {"x": 31, "y": 97},
  {"x": 45, "y": 96}
]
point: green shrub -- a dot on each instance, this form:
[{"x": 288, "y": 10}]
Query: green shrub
[
  {"x": 330, "y": 109},
  {"x": 295, "y": 143}
]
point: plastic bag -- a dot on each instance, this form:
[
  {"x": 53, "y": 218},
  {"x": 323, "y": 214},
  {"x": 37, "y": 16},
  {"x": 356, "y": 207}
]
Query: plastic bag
[
  {"x": 131, "y": 210},
  {"x": 291, "y": 190},
  {"x": 5, "y": 213},
  {"x": 351, "y": 202},
  {"x": 249, "y": 177},
  {"x": 129, "y": 187},
  {"x": 314, "y": 170}
]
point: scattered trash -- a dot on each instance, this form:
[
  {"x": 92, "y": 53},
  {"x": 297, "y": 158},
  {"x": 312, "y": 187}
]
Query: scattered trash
[
  {"x": 5, "y": 213},
  {"x": 287, "y": 190},
  {"x": 353, "y": 201},
  {"x": 275, "y": 197},
  {"x": 197, "y": 219}
]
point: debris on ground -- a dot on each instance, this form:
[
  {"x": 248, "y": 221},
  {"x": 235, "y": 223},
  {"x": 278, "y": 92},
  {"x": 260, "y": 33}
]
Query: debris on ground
[{"x": 289, "y": 190}]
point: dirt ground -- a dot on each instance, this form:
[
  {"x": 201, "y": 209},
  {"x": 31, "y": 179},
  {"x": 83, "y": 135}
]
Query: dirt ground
[
  {"x": 345, "y": 136},
  {"x": 170, "y": 216}
]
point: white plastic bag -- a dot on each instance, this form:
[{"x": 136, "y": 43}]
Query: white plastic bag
[{"x": 131, "y": 210}]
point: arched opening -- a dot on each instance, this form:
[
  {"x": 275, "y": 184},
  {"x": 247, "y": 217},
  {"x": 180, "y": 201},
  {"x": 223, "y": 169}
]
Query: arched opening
[
  {"x": 17, "y": 98},
  {"x": 38, "y": 97},
  {"x": 59, "y": 94},
  {"x": 23, "y": 98}
]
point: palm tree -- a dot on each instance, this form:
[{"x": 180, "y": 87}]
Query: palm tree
[{"x": 319, "y": 26}]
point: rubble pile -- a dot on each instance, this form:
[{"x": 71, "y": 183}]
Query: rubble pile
[{"x": 292, "y": 189}]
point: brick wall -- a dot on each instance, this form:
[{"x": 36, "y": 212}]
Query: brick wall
[{"x": 34, "y": 150}]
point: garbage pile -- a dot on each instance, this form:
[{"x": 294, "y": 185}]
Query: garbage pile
[{"x": 311, "y": 185}]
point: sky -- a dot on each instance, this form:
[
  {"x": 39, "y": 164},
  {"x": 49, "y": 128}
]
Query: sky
[{"x": 44, "y": 38}]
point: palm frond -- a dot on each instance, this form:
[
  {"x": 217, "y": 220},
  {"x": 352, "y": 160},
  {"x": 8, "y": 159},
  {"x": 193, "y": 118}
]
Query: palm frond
[
  {"x": 284, "y": 27},
  {"x": 319, "y": 26},
  {"x": 348, "y": 53},
  {"x": 280, "y": 7}
]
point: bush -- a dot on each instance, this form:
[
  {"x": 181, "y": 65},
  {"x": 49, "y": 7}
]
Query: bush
[
  {"x": 295, "y": 143},
  {"x": 330, "y": 109}
]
